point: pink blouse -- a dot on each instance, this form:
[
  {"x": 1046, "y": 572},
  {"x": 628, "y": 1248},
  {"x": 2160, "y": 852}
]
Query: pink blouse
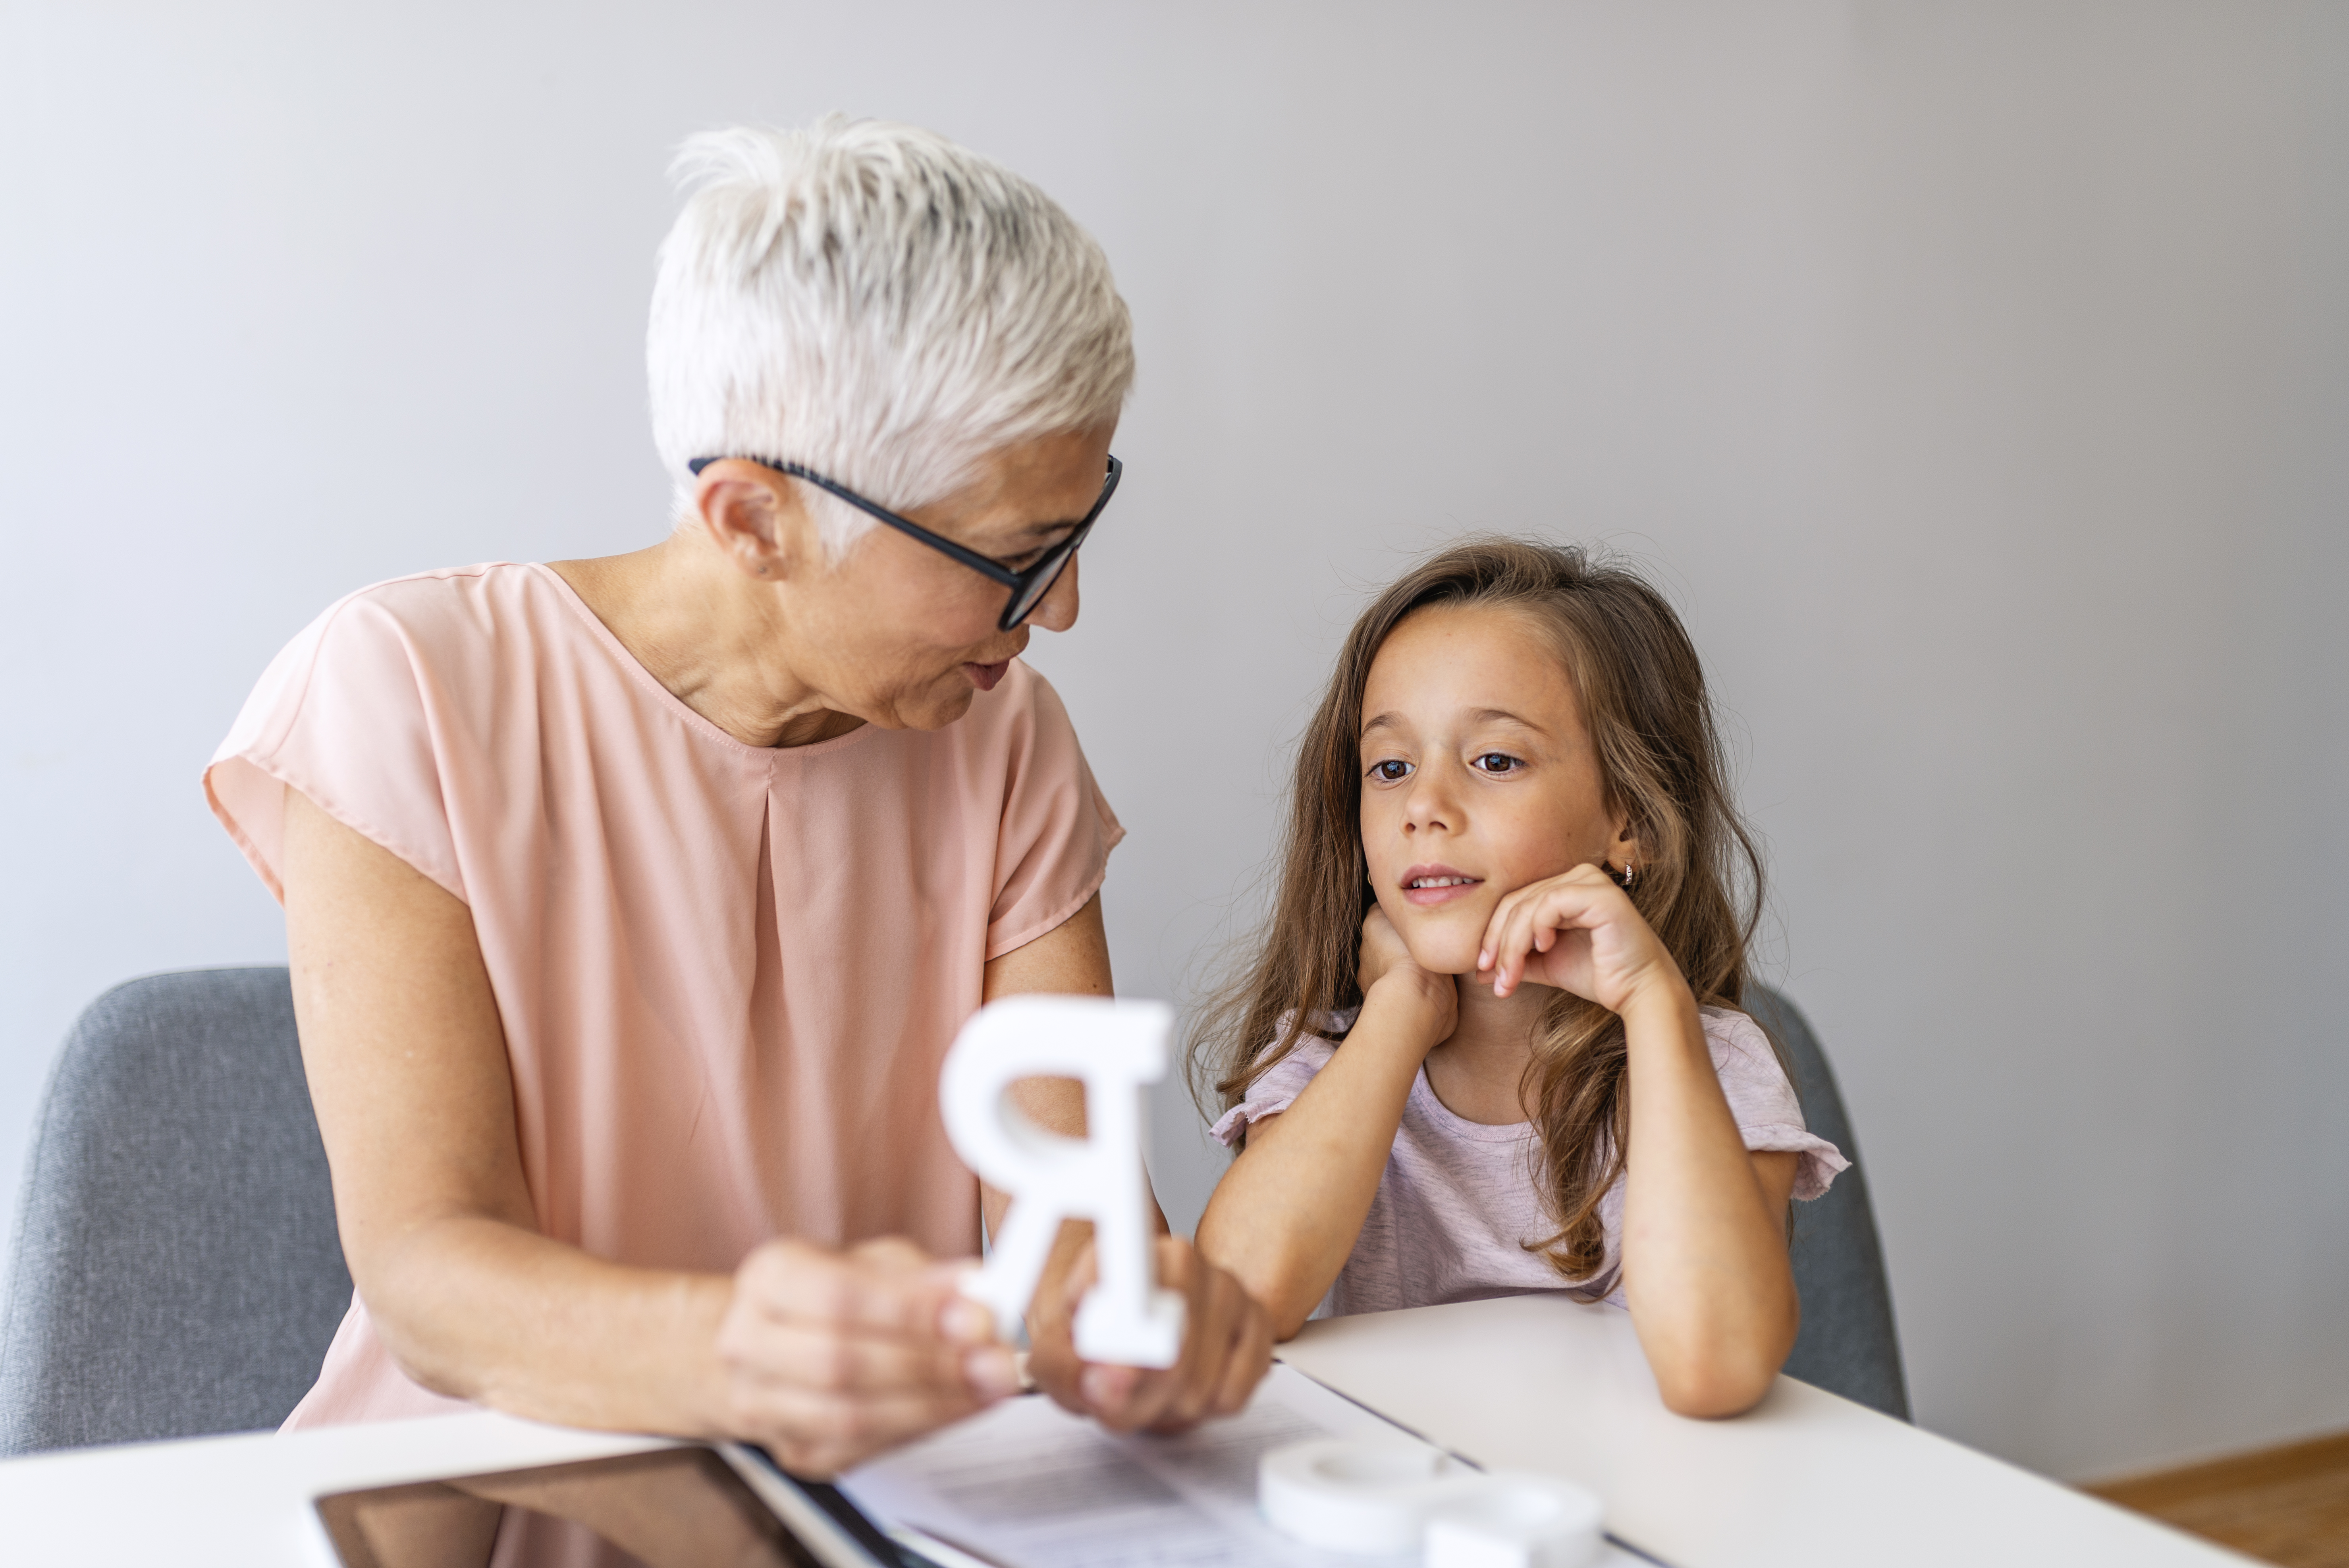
[{"x": 727, "y": 973}]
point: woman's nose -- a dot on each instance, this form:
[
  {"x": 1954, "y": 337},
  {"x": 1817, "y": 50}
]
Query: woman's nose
[{"x": 1057, "y": 612}]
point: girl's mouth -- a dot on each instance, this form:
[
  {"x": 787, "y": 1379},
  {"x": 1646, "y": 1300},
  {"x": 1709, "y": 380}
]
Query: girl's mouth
[
  {"x": 983, "y": 677},
  {"x": 1426, "y": 886}
]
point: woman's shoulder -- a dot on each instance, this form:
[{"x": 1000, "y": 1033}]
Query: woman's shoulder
[
  {"x": 455, "y": 605},
  {"x": 459, "y": 615},
  {"x": 358, "y": 712}
]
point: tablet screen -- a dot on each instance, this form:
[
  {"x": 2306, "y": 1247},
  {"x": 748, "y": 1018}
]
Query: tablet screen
[{"x": 672, "y": 1508}]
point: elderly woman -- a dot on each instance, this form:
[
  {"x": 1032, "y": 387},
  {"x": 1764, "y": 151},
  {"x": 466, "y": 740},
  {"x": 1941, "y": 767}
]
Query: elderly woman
[{"x": 633, "y": 903}]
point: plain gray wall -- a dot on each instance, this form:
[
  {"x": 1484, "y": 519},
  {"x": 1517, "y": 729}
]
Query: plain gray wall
[{"x": 1974, "y": 375}]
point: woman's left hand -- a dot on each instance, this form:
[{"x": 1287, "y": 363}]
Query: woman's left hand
[
  {"x": 1226, "y": 1347},
  {"x": 1580, "y": 933}
]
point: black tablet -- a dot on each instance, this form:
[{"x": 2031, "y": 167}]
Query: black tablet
[{"x": 683, "y": 1507}]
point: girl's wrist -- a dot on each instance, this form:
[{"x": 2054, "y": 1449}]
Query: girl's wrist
[
  {"x": 1661, "y": 999},
  {"x": 1407, "y": 996}
]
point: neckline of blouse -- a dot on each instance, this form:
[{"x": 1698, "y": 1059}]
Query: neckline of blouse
[
  {"x": 676, "y": 706},
  {"x": 1423, "y": 1093}
]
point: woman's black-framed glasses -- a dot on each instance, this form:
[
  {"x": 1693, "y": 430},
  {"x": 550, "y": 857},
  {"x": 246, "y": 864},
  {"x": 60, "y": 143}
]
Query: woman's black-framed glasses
[{"x": 1028, "y": 587}]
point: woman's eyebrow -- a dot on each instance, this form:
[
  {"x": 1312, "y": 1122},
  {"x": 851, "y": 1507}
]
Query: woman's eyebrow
[{"x": 1034, "y": 536}]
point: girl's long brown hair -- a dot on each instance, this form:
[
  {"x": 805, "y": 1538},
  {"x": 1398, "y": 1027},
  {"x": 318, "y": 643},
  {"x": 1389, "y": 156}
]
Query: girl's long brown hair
[{"x": 1699, "y": 882}]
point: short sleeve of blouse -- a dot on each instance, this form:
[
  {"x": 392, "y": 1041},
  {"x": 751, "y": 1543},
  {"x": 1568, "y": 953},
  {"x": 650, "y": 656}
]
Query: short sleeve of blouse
[
  {"x": 1052, "y": 845},
  {"x": 1763, "y": 1099},
  {"x": 1277, "y": 1090},
  {"x": 343, "y": 716}
]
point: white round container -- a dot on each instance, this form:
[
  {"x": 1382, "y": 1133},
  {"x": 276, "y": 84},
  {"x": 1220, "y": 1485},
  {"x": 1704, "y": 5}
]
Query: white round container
[
  {"x": 1515, "y": 1520},
  {"x": 1351, "y": 1494}
]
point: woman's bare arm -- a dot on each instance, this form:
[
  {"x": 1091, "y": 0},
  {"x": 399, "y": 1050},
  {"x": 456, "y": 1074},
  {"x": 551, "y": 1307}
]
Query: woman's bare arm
[{"x": 823, "y": 1356}]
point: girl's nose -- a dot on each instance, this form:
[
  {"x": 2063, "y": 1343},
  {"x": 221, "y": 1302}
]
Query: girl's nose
[{"x": 1430, "y": 805}]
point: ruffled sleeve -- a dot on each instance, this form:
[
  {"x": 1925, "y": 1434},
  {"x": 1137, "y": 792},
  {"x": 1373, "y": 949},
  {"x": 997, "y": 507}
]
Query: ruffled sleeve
[
  {"x": 1277, "y": 1090},
  {"x": 1763, "y": 1099}
]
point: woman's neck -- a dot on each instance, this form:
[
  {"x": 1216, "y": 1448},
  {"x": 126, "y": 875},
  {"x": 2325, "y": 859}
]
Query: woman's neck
[
  {"x": 1479, "y": 1071},
  {"x": 708, "y": 634}
]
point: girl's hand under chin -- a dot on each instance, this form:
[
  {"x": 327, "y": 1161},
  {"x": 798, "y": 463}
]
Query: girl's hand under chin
[
  {"x": 1579, "y": 932},
  {"x": 1388, "y": 967}
]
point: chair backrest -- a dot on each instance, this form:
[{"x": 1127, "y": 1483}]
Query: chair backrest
[
  {"x": 1847, "y": 1344},
  {"x": 176, "y": 1269}
]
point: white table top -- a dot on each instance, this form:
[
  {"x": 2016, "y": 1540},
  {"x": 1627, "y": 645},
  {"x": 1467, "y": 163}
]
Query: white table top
[
  {"x": 1541, "y": 1383},
  {"x": 1527, "y": 1383},
  {"x": 246, "y": 1501}
]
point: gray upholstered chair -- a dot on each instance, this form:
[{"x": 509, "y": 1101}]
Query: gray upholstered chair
[
  {"x": 1847, "y": 1344},
  {"x": 176, "y": 1268},
  {"x": 177, "y": 1271}
]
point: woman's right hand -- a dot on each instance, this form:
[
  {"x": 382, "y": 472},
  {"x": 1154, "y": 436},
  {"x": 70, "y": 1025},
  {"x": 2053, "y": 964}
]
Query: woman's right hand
[
  {"x": 830, "y": 1356},
  {"x": 1429, "y": 1001}
]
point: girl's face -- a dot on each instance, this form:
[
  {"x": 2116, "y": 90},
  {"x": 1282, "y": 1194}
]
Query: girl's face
[{"x": 1478, "y": 777}]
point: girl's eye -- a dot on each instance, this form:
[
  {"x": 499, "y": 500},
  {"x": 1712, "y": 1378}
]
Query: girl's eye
[
  {"x": 1496, "y": 762},
  {"x": 1390, "y": 772}
]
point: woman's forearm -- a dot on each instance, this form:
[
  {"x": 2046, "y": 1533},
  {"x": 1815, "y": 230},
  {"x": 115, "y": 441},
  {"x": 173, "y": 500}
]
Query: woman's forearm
[
  {"x": 1704, "y": 1252},
  {"x": 1287, "y": 1214},
  {"x": 479, "y": 1309}
]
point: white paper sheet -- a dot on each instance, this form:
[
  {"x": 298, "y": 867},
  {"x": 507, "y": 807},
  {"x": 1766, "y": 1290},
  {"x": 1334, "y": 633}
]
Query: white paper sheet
[{"x": 1028, "y": 1485}]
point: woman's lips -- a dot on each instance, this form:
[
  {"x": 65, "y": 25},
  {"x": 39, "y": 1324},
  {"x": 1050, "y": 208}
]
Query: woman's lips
[
  {"x": 1449, "y": 885},
  {"x": 983, "y": 677}
]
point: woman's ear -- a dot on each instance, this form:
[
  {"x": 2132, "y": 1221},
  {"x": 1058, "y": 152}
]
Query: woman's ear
[{"x": 755, "y": 518}]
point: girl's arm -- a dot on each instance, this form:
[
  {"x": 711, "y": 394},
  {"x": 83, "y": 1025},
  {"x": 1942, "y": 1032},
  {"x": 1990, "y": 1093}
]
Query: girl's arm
[
  {"x": 1226, "y": 1338},
  {"x": 1706, "y": 1269},
  {"x": 1287, "y": 1214}
]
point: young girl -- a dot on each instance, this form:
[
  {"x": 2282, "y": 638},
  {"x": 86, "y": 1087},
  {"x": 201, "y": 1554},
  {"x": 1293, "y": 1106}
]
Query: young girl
[{"x": 1490, "y": 1043}]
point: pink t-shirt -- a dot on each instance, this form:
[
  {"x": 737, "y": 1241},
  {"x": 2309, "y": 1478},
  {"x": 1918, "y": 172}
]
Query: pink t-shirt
[
  {"x": 727, "y": 973},
  {"x": 1459, "y": 1199}
]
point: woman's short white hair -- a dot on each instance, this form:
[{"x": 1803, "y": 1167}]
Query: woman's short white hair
[{"x": 878, "y": 303}]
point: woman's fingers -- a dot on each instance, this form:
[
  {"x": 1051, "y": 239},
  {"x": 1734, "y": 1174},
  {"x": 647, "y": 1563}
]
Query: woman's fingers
[
  {"x": 822, "y": 1357},
  {"x": 833, "y": 1356},
  {"x": 818, "y": 1435},
  {"x": 1191, "y": 1383},
  {"x": 1249, "y": 1360},
  {"x": 884, "y": 1287},
  {"x": 1235, "y": 1352},
  {"x": 1226, "y": 1347},
  {"x": 1052, "y": 1353}
]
